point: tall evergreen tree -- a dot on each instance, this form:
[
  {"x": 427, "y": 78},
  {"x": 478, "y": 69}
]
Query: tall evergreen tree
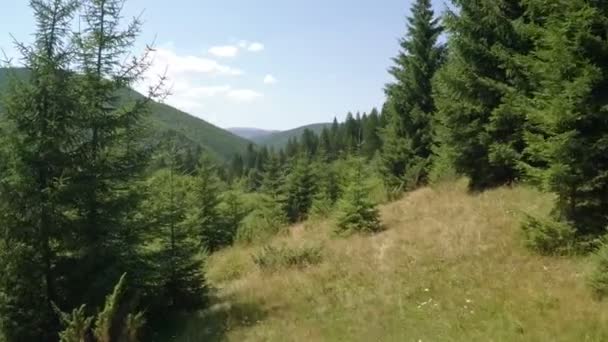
[
  {"x": 177, "y": 267},
  {"x": 112, "y": 153},
  {"x": 206, "y": 213},
  {"x": 568, "y": 134},
  {"x": 371, "y": 134},
  {"x": 299, "y": 189},
  {"x": 34, "y": 189},
  {"x": 475, "y": 90},
  {"x": 408, "y": 137}
]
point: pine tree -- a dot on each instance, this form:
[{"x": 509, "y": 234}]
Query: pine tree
[
  {"x": 177, "y": 268},
  {"x": 356, "y": 213},
  {"x": 232, "y": 211},
  {"x": 325, "y": 149},
  {"x": 371, "y": 134},
  {"x": 272, "y": 180},
  {"x": 206, "y": 213},
  {"x": 112, "y": 153},
  {"x": 408, "y": 137},
  {"x": 34, "y": 190},
  {"x": 299, "y": 189},
  {"x": 475, "y": 90},
  {"x": 567, "y": 134}
]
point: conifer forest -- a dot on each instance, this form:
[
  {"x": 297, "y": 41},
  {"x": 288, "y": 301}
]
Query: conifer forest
[{"x": 472, "y": 205}]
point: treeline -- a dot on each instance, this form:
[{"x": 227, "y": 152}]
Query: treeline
[
  {"x": 358, "y": 135},
  {"x": 514, "y": 93}
]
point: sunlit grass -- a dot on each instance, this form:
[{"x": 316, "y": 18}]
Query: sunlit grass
[{"x": 451, "y": 266}]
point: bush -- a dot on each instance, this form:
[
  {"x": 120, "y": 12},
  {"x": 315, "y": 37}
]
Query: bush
[
  {"x": 262, "y": 223},
  {"x": 598, "y": 278},
  {"x": 356, "y": 211},
  {"x": 272, "y": 258},
  {"x": 548, "y": 237}
]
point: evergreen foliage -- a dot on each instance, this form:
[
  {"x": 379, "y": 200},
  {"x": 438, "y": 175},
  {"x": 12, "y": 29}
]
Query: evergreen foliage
[
  {"x": 206, "y": 216},
  {"x": 474, "y": 91},
  {"x": 567, "y": 139},
  {"x": 299, "y": 189},
  {"x": 356, "y": 213},
  {"x": 177, "y": 279},
  {"x": 408, "y": 135},
  {"x": 114, "y": 323}
]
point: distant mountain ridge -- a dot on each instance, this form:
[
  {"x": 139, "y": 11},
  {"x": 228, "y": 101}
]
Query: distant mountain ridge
[
  {"x": 250, "y": 133},
  {"x": 218, "y": 142},
  {"x": 279, "y": 140}
]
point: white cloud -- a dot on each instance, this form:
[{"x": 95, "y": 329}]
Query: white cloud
[
  {"x": 243, "y": 95},
  {"x": 269, "y": 79},
  {"x": 224, "y": 51},
  {"x": 251, "y": 46},
  {"x": 256, "y": 47},
  {"x": 193, "y": 83},
  {"x": 167, "y": 59}
]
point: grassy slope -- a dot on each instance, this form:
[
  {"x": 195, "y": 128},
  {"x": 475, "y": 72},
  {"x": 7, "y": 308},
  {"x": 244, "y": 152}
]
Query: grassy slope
[
  {"x": 279, "y": 139},
  {"x": 449, "y": 267},
  {"x": 218, "y": 142}
]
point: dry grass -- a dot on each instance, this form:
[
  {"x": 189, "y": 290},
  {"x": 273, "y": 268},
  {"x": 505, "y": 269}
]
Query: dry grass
[{"x": 449, "y": 267}]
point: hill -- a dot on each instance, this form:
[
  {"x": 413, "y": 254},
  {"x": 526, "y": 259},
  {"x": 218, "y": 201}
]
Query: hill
[
  {"x": 250, "y": 133},
  {"x": 164, "y": 118},
  {"x": 450, "y": 266},
  {"x": 280, "y": 139}
]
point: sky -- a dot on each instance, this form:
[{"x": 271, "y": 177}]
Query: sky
[{"x": 270, "y": 64}]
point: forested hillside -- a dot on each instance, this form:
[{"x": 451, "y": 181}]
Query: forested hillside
[
  {"x": 250, "y": 133},
  {"x": 471, "y": 205},
  {"x": 166, "y": 120},
  {"x": 280, "y": 139}
]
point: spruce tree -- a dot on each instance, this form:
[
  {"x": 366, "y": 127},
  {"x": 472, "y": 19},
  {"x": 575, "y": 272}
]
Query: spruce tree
[
  {"x": 272, "y": 178},
  {"x": 206, "y": 215},
  {"x": 112, "y": 153},
  {"x": 408, "y": 137},
  {"x": 34, "y": 190},
  {"x": 299, "y": 189},
  {"x": 568, "y": 125},
  {"x": 356, "y": 212},
  {"x": 475, "y": 91},
  {"x": 371, "y": 134},
  {"x": 177, "y": 268}
]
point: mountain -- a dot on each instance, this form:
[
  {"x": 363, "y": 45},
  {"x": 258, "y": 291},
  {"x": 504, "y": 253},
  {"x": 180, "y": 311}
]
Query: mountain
[
  {"x": 250, "y": 133},
  {"x": 280, "y": 139},
  {"x": 166, "y": 119}
]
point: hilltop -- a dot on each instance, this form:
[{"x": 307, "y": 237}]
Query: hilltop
[{"x": 450, "y": 266}]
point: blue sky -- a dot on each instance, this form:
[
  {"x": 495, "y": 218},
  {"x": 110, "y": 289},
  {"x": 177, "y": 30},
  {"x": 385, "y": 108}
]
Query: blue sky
[{"x": 268, "y": 63}]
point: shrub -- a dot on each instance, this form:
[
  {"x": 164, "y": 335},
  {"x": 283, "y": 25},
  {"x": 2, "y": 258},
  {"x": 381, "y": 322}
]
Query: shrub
[
  {"x": 548, "y": 237},
  {"x": 272, "y": 258},
  {"x": 262, "y": 223},
  {"x": 598, "y": 278},
  {"x": 356, "y": 212}
]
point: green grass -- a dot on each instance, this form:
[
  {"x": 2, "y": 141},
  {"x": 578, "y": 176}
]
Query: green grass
[{"x": 451, "y": 266}]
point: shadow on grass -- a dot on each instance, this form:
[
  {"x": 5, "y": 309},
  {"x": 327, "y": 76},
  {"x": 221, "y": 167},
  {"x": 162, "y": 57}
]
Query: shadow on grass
[{"x": 207, "y": 325}]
